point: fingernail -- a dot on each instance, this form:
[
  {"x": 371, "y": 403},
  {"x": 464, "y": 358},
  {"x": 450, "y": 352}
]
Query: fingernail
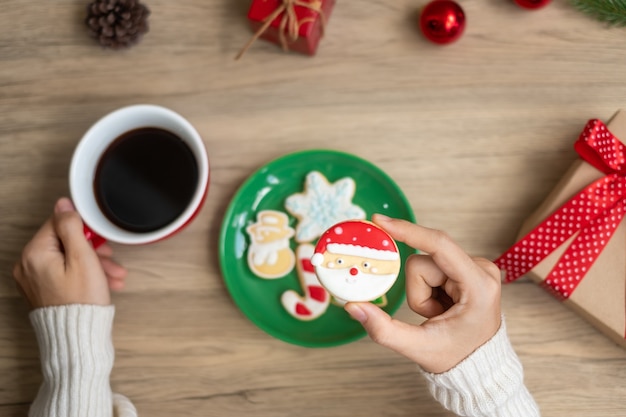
[
  {"x": 64, "y": 205},
  {"x": 382, "y": 217},
  {"x": 356, "y": 312}
]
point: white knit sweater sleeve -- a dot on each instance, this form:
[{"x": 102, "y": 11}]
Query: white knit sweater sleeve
[
  {"x": 77, "y": 356},
  {"x": 488, "y": 383}
]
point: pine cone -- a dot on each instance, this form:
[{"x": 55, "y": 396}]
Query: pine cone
[{"x": 117, "y": 23}]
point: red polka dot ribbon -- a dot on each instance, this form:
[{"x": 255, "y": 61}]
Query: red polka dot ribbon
[{"x": 591, "y": 217}]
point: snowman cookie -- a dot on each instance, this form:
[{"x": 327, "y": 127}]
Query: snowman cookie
[
  {"x": 269, "y": 254},
  {"x": 356, "y": 260}
]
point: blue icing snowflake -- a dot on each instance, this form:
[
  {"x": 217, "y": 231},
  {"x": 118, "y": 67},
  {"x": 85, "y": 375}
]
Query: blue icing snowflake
[{"x": 321, "y": 205}]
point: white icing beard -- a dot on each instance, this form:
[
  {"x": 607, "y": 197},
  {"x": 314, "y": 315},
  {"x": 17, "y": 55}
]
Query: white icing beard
[{"x": 360, "y": 287}]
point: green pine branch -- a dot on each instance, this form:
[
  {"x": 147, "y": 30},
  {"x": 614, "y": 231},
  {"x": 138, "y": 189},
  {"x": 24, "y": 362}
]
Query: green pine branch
[{"x": 612, "y": 12}]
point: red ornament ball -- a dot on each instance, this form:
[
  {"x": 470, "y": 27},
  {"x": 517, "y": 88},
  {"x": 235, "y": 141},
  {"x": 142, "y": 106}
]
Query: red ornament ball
[
  {"x": 531, "y": 4},
  {"x": 442, "y": 21}
]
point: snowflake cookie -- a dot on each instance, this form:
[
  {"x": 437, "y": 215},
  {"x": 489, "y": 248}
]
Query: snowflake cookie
[{"x": 321, "y": 205}]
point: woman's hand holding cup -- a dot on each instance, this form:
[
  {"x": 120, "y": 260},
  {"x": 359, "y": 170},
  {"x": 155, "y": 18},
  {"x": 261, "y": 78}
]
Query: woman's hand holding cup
[{"x": 59, "y": 266}]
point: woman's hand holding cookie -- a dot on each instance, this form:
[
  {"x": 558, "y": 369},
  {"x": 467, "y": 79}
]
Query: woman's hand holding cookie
[{"x": 459, "y": 296}]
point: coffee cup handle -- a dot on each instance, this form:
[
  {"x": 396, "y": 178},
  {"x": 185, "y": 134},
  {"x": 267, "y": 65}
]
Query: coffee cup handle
[{"x": 95, "y": 239}]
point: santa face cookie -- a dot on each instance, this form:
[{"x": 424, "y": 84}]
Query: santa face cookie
[{"x": 356, "y": 261}]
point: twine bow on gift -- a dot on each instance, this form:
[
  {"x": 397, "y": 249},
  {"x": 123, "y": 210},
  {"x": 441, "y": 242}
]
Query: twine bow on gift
[
  {"x": 590, "y": 218},
  {"x": 289, "y": 26}
]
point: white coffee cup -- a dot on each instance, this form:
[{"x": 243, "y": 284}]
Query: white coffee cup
[{"x": 97, "y": 140}]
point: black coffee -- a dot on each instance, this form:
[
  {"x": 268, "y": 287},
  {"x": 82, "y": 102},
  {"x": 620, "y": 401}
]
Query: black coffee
[{"x": 145, "y": 179}]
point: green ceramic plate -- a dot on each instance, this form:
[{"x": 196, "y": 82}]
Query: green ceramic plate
[{"x": 267, "y": 189}]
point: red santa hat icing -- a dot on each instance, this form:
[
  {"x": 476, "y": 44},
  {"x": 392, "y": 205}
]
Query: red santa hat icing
[{"x": 356, "y": 238}]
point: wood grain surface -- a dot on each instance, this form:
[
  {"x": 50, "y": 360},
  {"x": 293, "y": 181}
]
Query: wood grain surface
[{"x": 476, "y": 134}]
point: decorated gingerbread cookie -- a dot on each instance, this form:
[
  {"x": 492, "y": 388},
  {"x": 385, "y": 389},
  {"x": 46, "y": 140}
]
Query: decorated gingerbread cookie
[
  {"x": 356, "y": 261},
  {"x": 316, "y": 299},
  {"x": 321, "y": 205},
  {"x": 269, "y": 253}
]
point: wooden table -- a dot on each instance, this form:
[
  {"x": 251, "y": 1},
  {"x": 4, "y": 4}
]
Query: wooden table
[{"x": 475, "y": 133}]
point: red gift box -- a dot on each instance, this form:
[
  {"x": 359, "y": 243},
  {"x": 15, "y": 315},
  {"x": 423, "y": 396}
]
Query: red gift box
[{"x": 296, "y": 25}]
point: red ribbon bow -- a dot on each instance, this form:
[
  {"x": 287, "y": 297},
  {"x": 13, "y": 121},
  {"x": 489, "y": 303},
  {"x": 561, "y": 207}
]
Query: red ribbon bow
[{"x": 592, "y": 216}]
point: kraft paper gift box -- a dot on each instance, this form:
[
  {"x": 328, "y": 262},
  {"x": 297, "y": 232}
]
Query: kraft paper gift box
[
  {"x": 584, "y": 266},
  {"x": 296, "y": 25}
]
